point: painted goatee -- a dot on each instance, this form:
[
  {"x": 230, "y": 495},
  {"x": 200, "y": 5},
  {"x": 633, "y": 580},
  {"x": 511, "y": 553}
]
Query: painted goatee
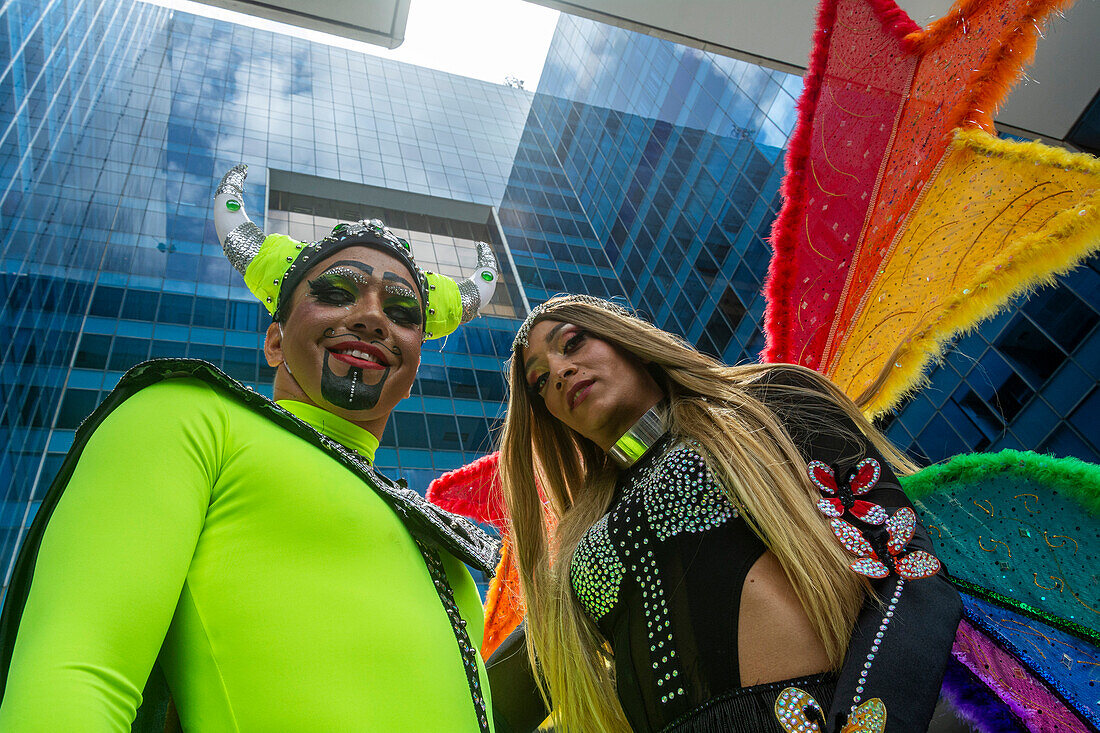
[{"x": 349, "y": 391}]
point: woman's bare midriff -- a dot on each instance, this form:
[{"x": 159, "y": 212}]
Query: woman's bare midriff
[{"x": 775, "y": 640}]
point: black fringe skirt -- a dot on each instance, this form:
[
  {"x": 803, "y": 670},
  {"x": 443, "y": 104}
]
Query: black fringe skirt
[{"x": 751, "y": 709}]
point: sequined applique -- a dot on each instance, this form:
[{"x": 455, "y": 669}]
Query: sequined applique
[
  {"x": 916, "y": 565},
  {"x": 879, "y": 551},
  {"x": 840, "y": 498},
  {"x": 798, "y": 712},
  {"x": 681, "y": 495},
  {"x": 672, "y": 494},
  {"x": 899, "y": 527},
  {"x": 596, "y": 572},
  {"x": 870, "y": 717}
]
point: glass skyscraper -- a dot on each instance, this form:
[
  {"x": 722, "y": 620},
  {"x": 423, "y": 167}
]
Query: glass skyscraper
[
  {"x": 119, "y": 118},
  {"x": 640, "y": 169}
]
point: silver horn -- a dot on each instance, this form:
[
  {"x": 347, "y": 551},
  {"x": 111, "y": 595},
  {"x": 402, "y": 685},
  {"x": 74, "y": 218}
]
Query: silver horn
[
  {"x": 478, "y": 289},
  {"x": 240, "y": 238}
]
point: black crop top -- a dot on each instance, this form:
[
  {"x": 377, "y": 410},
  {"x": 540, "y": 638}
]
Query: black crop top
[{"x": 661, "y": 576}]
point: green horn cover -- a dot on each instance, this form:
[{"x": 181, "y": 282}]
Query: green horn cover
[
  {"x": 264, "y": 276},
  {"x": 444, "y": 306}
]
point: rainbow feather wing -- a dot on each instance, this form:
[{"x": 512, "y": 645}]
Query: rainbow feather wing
[
  {"x": 853, "y": 92},
  {"x": 1019, "y": 533},
  {"x": 1045, "y": 676},
  {"x": 904, "y": 219},
  {"x": 474, "y": 491}
]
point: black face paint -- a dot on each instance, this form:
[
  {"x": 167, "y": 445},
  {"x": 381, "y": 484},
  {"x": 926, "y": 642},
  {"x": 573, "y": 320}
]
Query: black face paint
[{"x": 349, "y": 391}]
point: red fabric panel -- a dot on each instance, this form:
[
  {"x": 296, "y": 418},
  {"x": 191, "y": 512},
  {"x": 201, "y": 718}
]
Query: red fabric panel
[
  {"x": 944, "y": 81},
  {"x": 857, "y": 81}
]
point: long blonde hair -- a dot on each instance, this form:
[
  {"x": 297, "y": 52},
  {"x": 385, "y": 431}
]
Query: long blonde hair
[{"x": 745, "y": 445}]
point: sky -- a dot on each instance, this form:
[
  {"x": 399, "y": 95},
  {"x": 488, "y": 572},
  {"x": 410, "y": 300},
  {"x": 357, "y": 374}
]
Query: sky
[{"x": 480, "y": 39}]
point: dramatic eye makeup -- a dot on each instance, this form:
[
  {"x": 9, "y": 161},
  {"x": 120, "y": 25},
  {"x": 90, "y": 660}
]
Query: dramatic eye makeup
[
  {"x": 400, "y": 302},
  {"x": 400, "y": 291},
  {"x": 534, "y": 388},
  {"x": 573, "y": 340},
  {"x": 356, "y": 273},
  {"x": 333, "y": 288},
  {"x": 569, "y": 340},
  {"x": 402, "y": 307},
  {"x": 342, "y": 283}
]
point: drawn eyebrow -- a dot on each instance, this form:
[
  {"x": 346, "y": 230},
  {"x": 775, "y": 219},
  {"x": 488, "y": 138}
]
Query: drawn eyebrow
[
  {"x": 341, "y": 267},
  {"x": 393, "y": 277},
  {"x": 554, "y": 332}
]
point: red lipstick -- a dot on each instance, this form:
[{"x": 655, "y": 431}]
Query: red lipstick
[
  {"x": 359, "y": 354},
  {"x": 578, "y": 392}
]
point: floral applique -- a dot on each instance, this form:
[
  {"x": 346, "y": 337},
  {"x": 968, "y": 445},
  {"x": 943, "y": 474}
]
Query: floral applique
[
  {"x": 878, "y": 563},
  {"x": 879, "y": 544},
  {"x": 840, "y": 498}
]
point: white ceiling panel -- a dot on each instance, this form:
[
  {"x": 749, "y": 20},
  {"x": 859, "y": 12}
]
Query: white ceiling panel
[
  {"x": 1066, "y": 70},
  {"x": 381, "y": 22}
]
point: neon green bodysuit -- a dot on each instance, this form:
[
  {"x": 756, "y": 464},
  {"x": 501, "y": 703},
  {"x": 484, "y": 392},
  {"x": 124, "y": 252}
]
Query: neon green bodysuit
[{"x": 279, "y": 591}]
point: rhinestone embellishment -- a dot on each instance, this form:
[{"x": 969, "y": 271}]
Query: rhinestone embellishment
[
  {"x": 676, "y": 495},
  {"x": 596, "y": 572},
  {"x": 682, "y": 496}
]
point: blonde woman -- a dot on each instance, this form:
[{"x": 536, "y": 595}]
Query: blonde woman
[{"x": 690, "y": 581}]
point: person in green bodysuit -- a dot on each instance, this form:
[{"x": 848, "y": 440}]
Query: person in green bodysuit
[{"x": 241, "y": 556}]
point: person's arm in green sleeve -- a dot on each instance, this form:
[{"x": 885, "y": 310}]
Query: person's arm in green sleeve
[{"x": 113, "y": 560}]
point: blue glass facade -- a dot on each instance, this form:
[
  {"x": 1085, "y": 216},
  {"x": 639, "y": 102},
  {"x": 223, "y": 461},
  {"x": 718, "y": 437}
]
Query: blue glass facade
[
  {"x": 640, "y": 169},
  {"x": 650, "y": 170},
  {"x": 119, "y": 117},
  {"x": 1027, "y": 379}
]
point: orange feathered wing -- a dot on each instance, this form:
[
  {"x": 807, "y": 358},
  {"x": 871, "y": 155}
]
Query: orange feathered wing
[{"x": 474, "y": 491}]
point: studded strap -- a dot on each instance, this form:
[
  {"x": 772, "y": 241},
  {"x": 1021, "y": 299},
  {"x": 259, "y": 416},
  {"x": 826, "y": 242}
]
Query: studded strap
[{"x": 458, "y": 625}]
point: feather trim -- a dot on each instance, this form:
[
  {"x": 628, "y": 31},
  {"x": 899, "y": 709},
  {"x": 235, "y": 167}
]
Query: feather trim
[
  {"x": 1068, "y": 476},
  {"x": 1033, "y": 260},
  {"x": 781, "y": 271},
  {"x": 1002, "y": 66},
  {"x": 504, "y": 608},
  {"x": 973, "y": 702},
  {"x": 472, "y": 490},
  {"x": 895, "y": 20}
]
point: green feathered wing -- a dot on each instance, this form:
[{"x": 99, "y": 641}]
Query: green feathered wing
[{"x": 1019, "y": 533}]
